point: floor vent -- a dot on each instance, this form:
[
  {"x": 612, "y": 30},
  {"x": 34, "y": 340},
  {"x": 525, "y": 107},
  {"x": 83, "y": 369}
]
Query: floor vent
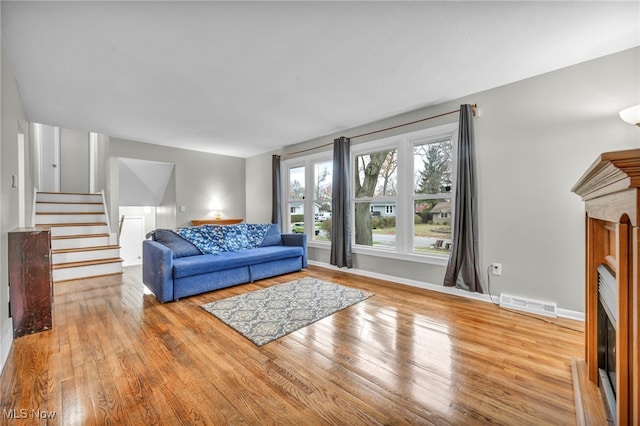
[{"x": 529, "y": 305}]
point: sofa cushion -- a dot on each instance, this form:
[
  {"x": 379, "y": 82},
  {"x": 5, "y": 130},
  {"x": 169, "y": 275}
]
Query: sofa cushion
[
  {"x": 178, "y": 245},
  {"x": 195, "y": 265}
]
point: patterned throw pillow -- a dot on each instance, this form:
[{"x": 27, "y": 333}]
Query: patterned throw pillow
[{"x": 256, "y": 233}]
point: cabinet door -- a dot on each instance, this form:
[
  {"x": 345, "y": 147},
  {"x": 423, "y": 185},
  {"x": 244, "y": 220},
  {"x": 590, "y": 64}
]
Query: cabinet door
[{"x": 30, "y": 281}]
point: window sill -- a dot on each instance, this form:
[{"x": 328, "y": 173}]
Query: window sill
[{"x": 410, "y": 257}]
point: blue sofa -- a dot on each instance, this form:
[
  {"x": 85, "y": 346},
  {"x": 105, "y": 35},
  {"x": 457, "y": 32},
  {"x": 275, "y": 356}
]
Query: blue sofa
[{"x": 176, "y": 264}]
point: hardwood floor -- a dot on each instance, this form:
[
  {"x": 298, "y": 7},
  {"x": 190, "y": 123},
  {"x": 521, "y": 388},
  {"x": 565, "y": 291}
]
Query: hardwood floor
[{"x": 404, "y": 356}]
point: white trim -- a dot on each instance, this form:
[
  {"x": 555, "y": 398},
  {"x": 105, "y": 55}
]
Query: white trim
[
  {"x": 562, "y": 313},
  {"x": 574, "y": 315},
  {"x": 404, "y": 200},
  {"x": 22, "y": 203},
  {"x": 6, "y": 339},
  {"x": 93, "y": 150}
]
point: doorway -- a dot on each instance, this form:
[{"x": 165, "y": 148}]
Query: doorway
[
  {"x": 135, "y": 222},
  {"x": 47, "y": 141}
]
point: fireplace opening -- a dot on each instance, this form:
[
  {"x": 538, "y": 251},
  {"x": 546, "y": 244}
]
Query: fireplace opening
[{"x": 607, "y": 320}]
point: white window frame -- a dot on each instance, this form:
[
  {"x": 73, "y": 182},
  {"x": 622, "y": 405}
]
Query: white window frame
[
  {"x": 405, "y": 198},
  {"x": 308, "y": 162}
]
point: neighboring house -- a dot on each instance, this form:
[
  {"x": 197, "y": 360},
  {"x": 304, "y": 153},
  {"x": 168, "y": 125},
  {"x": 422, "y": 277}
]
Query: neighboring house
[
  {"x": 383, "y": 209},
  {"x": 297, "y": 207},
  {"x": 442, "y": 213}
]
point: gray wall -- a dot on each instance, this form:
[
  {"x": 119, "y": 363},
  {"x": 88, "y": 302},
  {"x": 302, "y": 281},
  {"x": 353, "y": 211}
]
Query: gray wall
[
  {"x": 201, "y": 179},
  {"x": 74, "y": 160},
  {"x": 534, "y": 140},
  {"x": 12, "y": 120},
  {"x": 101, "y": 160}
]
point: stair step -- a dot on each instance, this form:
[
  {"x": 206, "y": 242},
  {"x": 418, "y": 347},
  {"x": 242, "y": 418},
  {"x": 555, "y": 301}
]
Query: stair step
[
  {"x": 53, "y": 225},
  {"x": 81, "y": 246},
  {"x": 87, "y": 271},
  {"x": 69, "y": 202},
  {"x": 86, "y": 263},
  {"x": 68, "y": 208},
  {"x": 68, "y": 197},
  {"x": 85, "y": 254},
  {"x": 59, "y": 230},
  {"x": 69, "y": 237},
  {"x": 65, "y": 218},
  {"x": 65, "y": 213},
  {"x": 73, "y": 250},
  {"x": 82, "y": 242}
]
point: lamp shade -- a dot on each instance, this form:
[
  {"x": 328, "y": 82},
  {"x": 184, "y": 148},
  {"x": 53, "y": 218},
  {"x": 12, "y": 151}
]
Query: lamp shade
[{"x": 631, "y": 115}]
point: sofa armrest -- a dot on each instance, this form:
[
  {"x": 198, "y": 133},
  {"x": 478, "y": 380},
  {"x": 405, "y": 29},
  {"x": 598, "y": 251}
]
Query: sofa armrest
[
  {"x": 157, "y": 269},
  {"x": 299, "y": 240}
]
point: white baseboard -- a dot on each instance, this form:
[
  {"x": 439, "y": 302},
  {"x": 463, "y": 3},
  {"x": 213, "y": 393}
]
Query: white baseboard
[
  {"x": 6, "y": 341},
  {"x": 564, "y": 313}
]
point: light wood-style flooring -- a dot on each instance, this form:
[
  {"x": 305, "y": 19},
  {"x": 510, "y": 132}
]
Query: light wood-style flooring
[{"x": 404, "y": 356}]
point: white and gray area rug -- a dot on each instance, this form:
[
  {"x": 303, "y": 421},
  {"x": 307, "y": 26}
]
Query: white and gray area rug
[{"x": 265, "y": 315}]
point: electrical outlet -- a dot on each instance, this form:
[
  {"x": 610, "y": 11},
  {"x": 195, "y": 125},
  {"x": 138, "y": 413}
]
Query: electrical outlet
[{"x": 496, "y": 268}]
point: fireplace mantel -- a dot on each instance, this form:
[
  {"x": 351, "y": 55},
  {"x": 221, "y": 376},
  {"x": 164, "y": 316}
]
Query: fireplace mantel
[{"x": 610, "y": 190}]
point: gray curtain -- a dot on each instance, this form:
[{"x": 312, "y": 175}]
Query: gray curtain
[
  {"x": 340, "y": 208},
  {"x": 463, "y": 270},
  {"x": 276, "y": 212}
]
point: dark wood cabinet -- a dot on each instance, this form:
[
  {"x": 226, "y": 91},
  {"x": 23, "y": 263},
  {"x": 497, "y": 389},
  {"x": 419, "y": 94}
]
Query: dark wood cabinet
[{"x": 30, "y": 280}]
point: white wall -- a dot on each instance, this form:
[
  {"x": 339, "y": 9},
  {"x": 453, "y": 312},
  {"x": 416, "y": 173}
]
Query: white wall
[
  {"x": 12, "y": 120},
  {"x": 74, "y": 160},
  {"x": 534, "y": 139},
  {"x": 201, "y": 179},
  {"x": 259, "y": 195}
]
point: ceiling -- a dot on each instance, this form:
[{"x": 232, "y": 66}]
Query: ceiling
[{"x": 244, "y": 78}]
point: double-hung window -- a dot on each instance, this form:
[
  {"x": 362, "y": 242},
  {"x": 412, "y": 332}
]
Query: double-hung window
[
  {"x": 309, "y": 205},
  {"x": 403, "y": 193}
]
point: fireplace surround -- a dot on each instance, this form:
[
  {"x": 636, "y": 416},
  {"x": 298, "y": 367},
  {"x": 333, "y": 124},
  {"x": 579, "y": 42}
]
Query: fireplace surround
[{"x": 610, "y": 191}]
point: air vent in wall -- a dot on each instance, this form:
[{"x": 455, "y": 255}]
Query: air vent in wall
[{"x": 549, "y": 309}]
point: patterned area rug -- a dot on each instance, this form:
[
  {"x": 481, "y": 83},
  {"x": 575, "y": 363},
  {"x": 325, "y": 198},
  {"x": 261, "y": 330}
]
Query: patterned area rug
[{"x": 265, "y": 315}]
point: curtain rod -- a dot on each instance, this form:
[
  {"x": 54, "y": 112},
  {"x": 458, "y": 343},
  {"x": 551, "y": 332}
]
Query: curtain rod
[{"x": 474, "y": 109}]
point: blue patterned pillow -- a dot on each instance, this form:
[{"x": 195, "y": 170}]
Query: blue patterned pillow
[{"x": 256, "y": 233}]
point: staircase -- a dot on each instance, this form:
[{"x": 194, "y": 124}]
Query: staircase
[{"x": 81, "y": 246}]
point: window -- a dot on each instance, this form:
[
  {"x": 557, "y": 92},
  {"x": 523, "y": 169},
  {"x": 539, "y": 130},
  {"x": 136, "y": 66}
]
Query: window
[
  {"x": 402, "y": 189},
  {"x": 432, "y": 187},
  {"x": 295, "y": 199},
  {"x": 375, "y": 191},
  {"x": 403, "y": 192},
  {"x": 310, "y": 205},
  {"x": 323, "y": 181}
]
